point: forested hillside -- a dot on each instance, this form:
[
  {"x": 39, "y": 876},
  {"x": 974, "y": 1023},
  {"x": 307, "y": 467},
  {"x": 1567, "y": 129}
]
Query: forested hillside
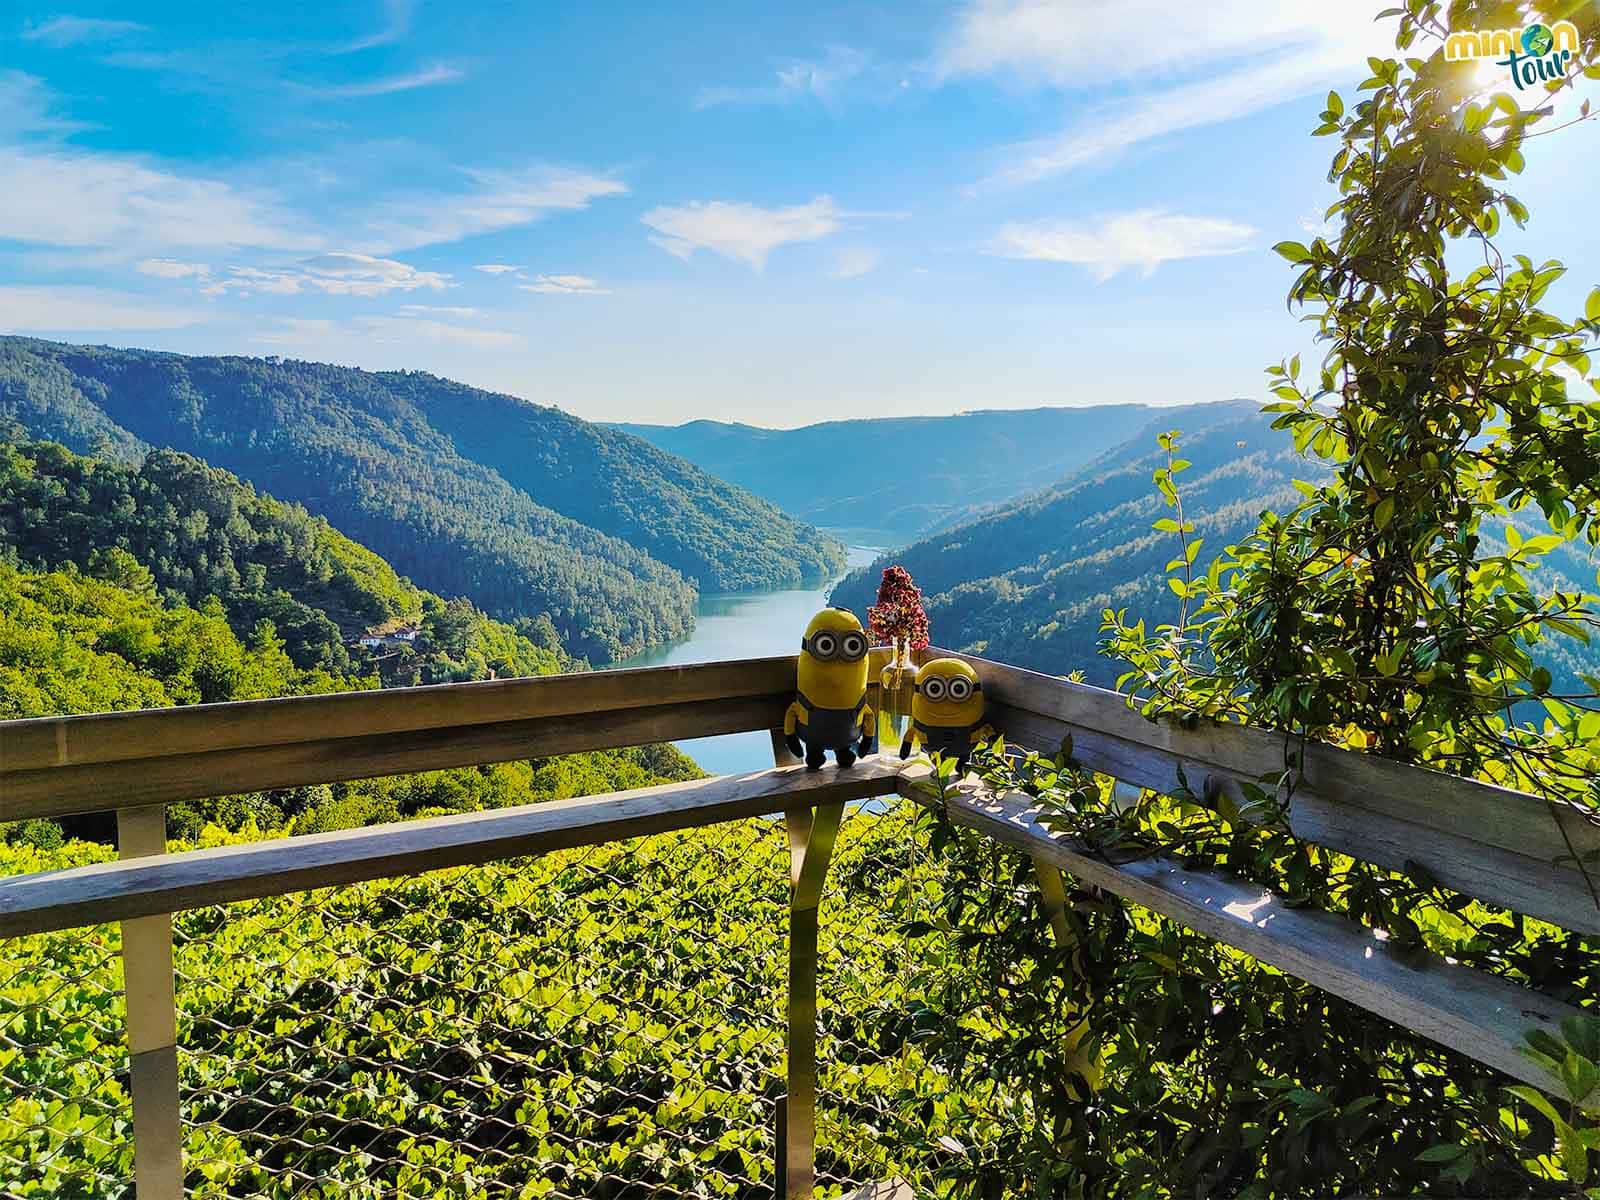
[
  {"x": 192, "y": 532},
  {"x": 173, "y": 583},
  {"x": 364, "y": 451},
  {"x": 906, "y": 476},
  {"x": 1027, "y": 584}
]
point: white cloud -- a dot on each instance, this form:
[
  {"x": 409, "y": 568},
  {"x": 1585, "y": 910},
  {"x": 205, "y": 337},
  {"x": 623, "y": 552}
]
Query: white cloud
[
  {"x": 397, "y": 16},
  {"x": 1093, "y": 140},
  {"x": 743, "y": 232},
  {"x": 1074, "y": 43},
  {"x": 72, "y": 31},
  {"x": 60, "y": 196},
  {"x": 336, "y": 274},
  {"x": 409, "y": 330},
  {"x": 497, "y": 200},
  {"x": 1144, "y": 239},
  {"x": 565, "y": 285},
  {"x": 855, "y": 261},
  {"x": 86, "y": 310},
  {"x": 171, "y": 268},
  {"x": 26, "y": 107},
  {"x": 497, "y": 268},
  {"x": 430, "y": 76},
  {"x": 460, "y": 312},
  {"x": 797, "y": 79},
  {"x": 1207, "y": 64},
  {"x": 337, "y": 338}
]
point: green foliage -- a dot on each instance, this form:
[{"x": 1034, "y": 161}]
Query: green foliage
[
  {"x": 1382, "y": 612},
  {"x": 601, "y": 1021},
  {"x": 69, "y": 643},
  {"x": 393, "y": 461}
]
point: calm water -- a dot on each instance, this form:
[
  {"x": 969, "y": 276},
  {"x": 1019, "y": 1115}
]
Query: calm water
[{"x": 747, "y": 625}]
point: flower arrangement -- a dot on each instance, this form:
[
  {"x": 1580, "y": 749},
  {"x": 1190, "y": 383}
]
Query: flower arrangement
[
  {"x": 898, "y": 615},
  {"x": 898, "y": 620}
]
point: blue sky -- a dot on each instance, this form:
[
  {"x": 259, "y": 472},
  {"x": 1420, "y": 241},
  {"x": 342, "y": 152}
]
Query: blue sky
[{"x": 774, "y": 214}]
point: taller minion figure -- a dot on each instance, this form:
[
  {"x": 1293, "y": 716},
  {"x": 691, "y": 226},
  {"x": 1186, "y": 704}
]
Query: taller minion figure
[
  {"x": 830, "y": 710},
  {"x": 947, "y": 714}
]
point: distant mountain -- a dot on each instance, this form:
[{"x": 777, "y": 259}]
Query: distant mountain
[
  {"x": 1028, "y": 582},
  {"x": 908, "y": 476},
  {"x": 522, "y": 508}
]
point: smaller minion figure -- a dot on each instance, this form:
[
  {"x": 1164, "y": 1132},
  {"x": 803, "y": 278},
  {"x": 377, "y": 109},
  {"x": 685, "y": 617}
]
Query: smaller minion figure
[
  {"x": 830, "y": 710},
  {"x": 947, "y": 711}
]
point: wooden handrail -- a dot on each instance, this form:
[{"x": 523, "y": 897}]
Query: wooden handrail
[
  {"x": 137, "y": 887},
  {"x": 1507, "y": 847},
  {"x": 203, "y": 728}
]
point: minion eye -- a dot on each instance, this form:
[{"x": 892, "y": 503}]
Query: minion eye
[
  {"x": 853, "y": 645},
  {"x": 933, "y": 688},
  {"x": 960, "y": 689},
  {"x": 824, "y": 645}
]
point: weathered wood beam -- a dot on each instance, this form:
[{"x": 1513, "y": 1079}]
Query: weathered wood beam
[
  {"x": 1506, "y": 847},
  {"x": 116, "y": 891},
  {"x": 204, "y": 728},
  {"x": 1471, "y": 1012},
  {"x": 89, "y": 787}
]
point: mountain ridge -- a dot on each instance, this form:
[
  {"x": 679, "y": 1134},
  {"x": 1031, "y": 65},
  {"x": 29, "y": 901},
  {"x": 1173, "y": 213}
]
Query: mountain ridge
[
  {"x": 909, "y": 476},
  {"x": 378, "y": 455}
]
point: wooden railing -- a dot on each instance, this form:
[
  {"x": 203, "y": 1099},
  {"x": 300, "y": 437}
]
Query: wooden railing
[{"x": 1505, "y": 847}]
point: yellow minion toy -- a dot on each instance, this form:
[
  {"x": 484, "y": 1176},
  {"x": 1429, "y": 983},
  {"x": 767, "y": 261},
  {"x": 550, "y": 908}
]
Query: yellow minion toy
[
  {"x": 947, "y": 711},
  {"x": 830, "y": 710}
]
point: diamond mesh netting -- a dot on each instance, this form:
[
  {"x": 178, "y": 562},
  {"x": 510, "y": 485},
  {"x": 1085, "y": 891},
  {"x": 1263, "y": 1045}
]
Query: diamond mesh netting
[{"x": 600, "y": 1022}]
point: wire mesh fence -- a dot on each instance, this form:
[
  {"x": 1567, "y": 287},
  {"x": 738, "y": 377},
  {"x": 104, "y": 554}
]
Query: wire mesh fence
[
  {"x": 65, "y": 1114},
  {"x": 601, "y": 1022}
]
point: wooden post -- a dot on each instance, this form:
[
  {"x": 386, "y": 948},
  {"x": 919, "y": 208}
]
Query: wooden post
[
  {"x": 152, "y": 1023},
  {"x": 1053, "y": 891},
  {"x": 811, "y": 838}
]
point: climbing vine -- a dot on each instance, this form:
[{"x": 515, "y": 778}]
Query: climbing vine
[{"x": 1397, "y": 610}]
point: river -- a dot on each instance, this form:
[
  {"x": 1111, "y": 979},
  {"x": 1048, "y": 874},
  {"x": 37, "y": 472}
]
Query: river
[{"x": 747, "y": 625}]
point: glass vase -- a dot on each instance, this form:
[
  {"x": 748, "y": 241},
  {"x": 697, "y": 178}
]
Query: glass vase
[{"x": 897, "y": 684}]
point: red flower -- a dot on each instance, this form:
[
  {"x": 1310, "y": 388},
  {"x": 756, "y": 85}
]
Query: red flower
[{"x": 898, "y": 612}]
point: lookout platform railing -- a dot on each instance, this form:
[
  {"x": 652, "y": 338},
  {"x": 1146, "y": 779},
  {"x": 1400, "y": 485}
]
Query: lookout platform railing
[{"x": 1504, "y": 847}]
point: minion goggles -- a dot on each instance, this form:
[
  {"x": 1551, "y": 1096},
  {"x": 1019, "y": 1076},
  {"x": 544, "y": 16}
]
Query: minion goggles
[
  {"x": 937, "y": 688},
  {"x": 827, "y": 645}
]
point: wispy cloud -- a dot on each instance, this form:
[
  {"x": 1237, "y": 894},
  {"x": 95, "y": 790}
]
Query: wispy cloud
[
  {"x": 795, "y": 79},
  {"x": 336, "y": 339},
  {"x": 397, "y": 16},
  {"x": 336, "y": 274},
  {"x": 1197, "y": 72},
  {"x": 495, "y": 200},
  {"x": 1075, "y": 44},
  {"x": 27, "y": 108},
  {"x": 44, "y": 309},
  {"x": 171, "y": 268},
  {"x": 460, "y": 312},
  {"x": 855, "y": 261},
  {"x": 565, "y": 285},
  {"x": 430, "y": 76},
  {"x": 1106, "y": 245},
  {"x": 62, "y": 196},
  {"x": 497, "y": 268},
  {"x": 743, "y": 232},
  {"x": 1094, "y": 139},
  {"x": 59, "y": 32}
]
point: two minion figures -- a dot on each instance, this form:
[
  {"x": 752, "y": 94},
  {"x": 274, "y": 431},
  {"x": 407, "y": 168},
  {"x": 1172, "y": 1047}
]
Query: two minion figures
[
  {"x": 947, "y": 716},
  {"x": 830, "y": 709}
]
